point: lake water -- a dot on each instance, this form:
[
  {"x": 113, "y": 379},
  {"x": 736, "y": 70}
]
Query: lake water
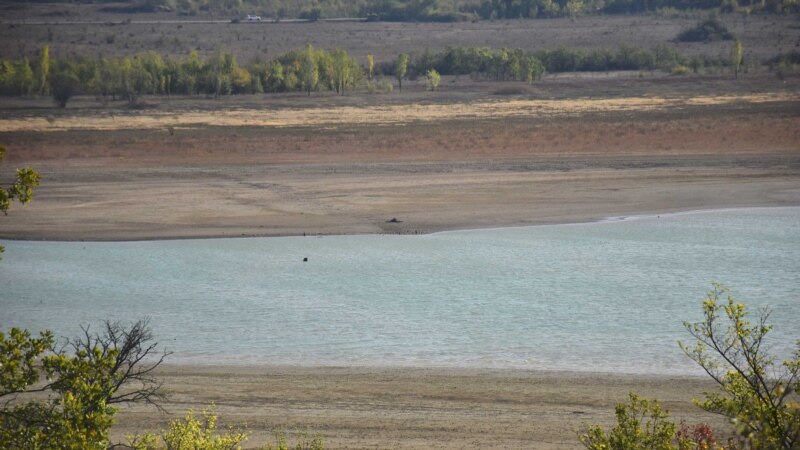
[{"x": 608, "y": 296}]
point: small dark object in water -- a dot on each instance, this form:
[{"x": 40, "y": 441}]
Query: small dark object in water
[
  {"x": 393, "y": 220},
  {"x": 305, "y": 259}
]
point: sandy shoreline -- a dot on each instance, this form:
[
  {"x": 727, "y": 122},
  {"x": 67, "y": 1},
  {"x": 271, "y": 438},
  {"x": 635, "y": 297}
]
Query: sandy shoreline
[
  {"x": 358, "y": 407},
  {"x": 570, "y": 220},
  {"x": 77, "y": 205}
]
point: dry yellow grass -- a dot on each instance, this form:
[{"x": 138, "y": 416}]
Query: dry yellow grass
[{"x": 377, "y": 115}]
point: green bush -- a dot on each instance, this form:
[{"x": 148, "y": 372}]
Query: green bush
[
  {"x": 64, "y": 85},
  {"x": 380, "y": 86},
  {"x": 191, "y": 433},
  {"x": 680, "y": 70},
  {"x": 759, "y": 395},
  {"x": 708, "y": 30},
  {"x": 304, "y": 442},
  {"x": 433, "y": 79},
  {"x": 784, "y": 64},
  {"x": 498, "y": 64},
  {"x": 201, "y": 433},
  {"x": 641, "y": 424}
]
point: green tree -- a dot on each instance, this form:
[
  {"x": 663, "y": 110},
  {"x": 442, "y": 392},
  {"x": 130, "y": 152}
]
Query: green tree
[
  {"x": 241, "y": 81},
  {"x": 346, "y": 71},
  {"x": 758, "y": 395},
  {"x": 21, "y": 190},
  {"x": 138, "y": 80},
  {"x": 152, "y": 68},
  {"x": 736, "y": 57},
  {"x": 218, "y": 70},
  {"x": 43, "y": 71},
  {"x": 573, "y": 8},
  {"x": 309, "y": 70},
  {"x": 65, "y": 397},
  {"x": 189, "y": 74},
  {"x": 433, "y": 79},
  {"x": 276, "y": 76},
  {"x": 258, "y": 86},
  {"x": 370, "y": 66},
  {"x": 64, "y": 84},
  {"x": 532, "y": 69},
  {"x": 402, "y": 69},
  {"x": 23, "y": 79}
]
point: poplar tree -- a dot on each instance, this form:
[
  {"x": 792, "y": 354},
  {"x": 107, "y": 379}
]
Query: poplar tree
[
  {"x": 310, "y": 71},
  {"x": 736, "y": 56},
  {"x": 44, "y": 70},
  {"x": 402, "y": 69},
  {"x": 433, "y": 79}
]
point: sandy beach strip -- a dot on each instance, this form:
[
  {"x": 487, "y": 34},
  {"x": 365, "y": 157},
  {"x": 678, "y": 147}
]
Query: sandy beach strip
[
  {"x": 231, "y": 202},
  {"x": 358, "y": 407}
]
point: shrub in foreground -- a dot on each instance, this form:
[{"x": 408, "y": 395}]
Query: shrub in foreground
[
  {"x": 65, "y": 397},
  {"x": 191, "y": 433},
  {"x": 643, "y": 424},
  {"x": 758, "y": 395},
  {"x": 640, "y": 424},
  {"x": 201, "y": 433}
]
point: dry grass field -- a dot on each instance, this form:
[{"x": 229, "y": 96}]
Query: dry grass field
[{"x": 83, "y": 30}]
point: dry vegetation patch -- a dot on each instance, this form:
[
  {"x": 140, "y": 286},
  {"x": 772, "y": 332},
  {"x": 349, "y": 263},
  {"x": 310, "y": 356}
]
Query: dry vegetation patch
[{"x": 375, "y": 115}]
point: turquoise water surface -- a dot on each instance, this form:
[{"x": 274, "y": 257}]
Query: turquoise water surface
[{"x": 607, "y": 296}]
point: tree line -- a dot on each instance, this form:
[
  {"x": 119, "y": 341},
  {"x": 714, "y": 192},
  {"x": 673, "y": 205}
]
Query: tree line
[
  {"x": 149, "y": 73},
  {"x": 517, "y": 65},
  {"x": 310, "y": 69}
]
